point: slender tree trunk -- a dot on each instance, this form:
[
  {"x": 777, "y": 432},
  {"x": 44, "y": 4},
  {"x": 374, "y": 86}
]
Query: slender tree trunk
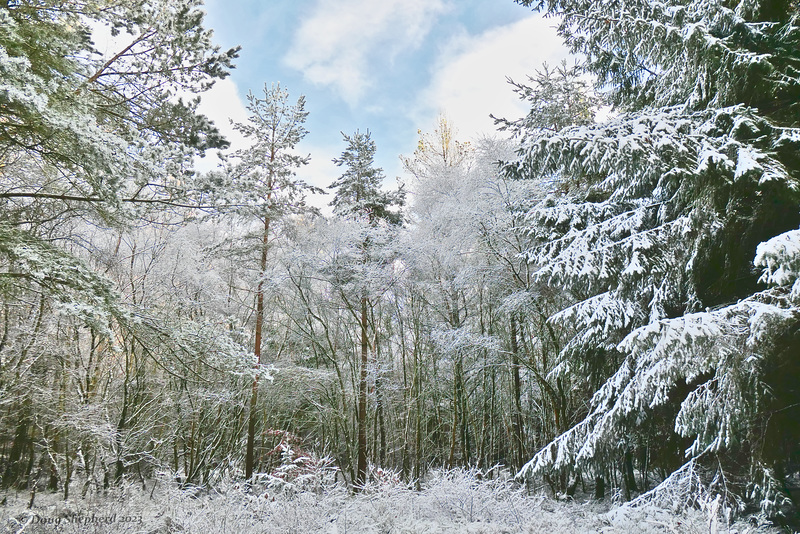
[
  {"x": 382, "y": 430},
  {"x": 379, "y": 407},
  {"x": 516, "y": 420},
  {"x": 123, "y": 421},
  {"x": 407, "y": 396},
  {"x": 486, "y": 431},
  {"x": 381, "y": 420},
  {"x": 68, "y": 470},
  {"x": 493, "y": 418},
  {"x": 451, "y": 459},
  {"x": 455, "y": 322},
  {"x": 628, "y": 476},
  {"x": 361, "y": 473},
  {"x": 466, "y": 447},
  {"x": 123, "y": 417},
  {"x": 251, "y": 422},
  {"x": 417, "y": 396}
]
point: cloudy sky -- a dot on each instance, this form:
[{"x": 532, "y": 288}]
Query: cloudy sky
[{"x": 390, "y": 66}]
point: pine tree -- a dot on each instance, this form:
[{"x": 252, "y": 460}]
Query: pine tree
[
  {"x": 263, "y": 185},
  {"x": 358, "y": 190},
  {"x": 559, "y": 97},
  {"x": 662, "y": 210},
  {"x": 359, "y": 196},
  {"x": 104, "y": 130}
]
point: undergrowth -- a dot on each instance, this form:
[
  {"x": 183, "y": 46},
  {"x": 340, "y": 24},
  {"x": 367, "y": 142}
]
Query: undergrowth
[{"x": 457, "y": 501}]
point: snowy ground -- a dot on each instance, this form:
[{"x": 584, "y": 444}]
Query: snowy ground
[{"x": 454, "y": 502}]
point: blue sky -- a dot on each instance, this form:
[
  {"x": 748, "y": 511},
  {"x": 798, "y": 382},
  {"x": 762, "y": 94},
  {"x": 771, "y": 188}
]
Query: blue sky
[{"x": 390, "y": 66}]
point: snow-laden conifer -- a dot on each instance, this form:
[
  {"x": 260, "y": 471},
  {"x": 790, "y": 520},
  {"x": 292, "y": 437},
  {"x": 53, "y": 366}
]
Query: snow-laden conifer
[{"x": 655, "y": 224}]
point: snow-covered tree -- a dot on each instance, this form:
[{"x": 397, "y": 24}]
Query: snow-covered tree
[
  {"x": 263, "y": 185},
  {"x": 359, "y": 197},
  {"x": 85, "y": 135},
  {"x": 666, "y": 207},
  {"x": 359, "y": 190},
  {"x": 440, "y": 258},
  {"x": 558, "y": 97},
  {"x": 103, "y": 128}
]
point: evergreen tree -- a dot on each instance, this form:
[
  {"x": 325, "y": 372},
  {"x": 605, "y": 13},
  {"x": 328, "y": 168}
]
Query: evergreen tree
[
  {"x": 264, "y": 185},
  {"x": 95, "y": 130},
  {"x": 559, "y": 97},
  {"x": 359, "y": 196},
  {"x": 664, "y": 209},
  {"x": 358, "y": 190}
]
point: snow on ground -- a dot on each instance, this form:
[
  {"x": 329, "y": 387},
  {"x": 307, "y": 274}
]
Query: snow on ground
[{"x": 451, "y": 502}]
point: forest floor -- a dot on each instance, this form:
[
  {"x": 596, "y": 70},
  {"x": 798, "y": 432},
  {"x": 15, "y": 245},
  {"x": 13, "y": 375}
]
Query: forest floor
[{"x": 451, "y": 502}]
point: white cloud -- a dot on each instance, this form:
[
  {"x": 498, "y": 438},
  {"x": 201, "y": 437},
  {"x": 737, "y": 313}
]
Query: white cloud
[
  {"x": 337, "y": 44},
  {"x": 320, "y": 172},
  {"x": 469, "y": 77},
  {"x": 222, "y": 104}
]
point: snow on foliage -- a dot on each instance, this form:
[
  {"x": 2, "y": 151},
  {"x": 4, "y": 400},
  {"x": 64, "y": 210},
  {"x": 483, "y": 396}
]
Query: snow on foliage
[
  {"x": 697, "y": 53},
  {"x": 654, "y": 224},
  {"x": 780, "y": 258},
  {"x": 76, "y": 288},
  {"x": 450, "y": 341},
  {"x": 450, "y": 502},
  {"x": 657, "y": 147}
]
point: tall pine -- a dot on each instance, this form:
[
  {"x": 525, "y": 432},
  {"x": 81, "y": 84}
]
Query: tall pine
[
  {"x": 358, "y": 189},
  {"x": 359, "y": 196},
  {"x": 674, "y": 226},
  {"x": 264, "y": 187}
]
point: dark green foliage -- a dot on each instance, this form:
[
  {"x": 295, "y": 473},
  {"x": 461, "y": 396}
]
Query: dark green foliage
[
  {"x": 660, "y": 213},
  {"x": 358, "y": 190}
]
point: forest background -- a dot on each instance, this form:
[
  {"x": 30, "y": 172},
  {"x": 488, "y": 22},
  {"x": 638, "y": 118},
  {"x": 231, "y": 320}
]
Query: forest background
[{"x": 595, "y": 305}]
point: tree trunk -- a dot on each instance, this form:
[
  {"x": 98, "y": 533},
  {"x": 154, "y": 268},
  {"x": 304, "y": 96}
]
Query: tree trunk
[
  {"x": 451, "y": 459},
  {"x": 251, "y": 422},
  {"x": 417, "y": 396},
  {"x": 361, "y": 471},
  {"x": 455, "y": 322},
  {"x": 516, "y": 418},
  {"x": 466, "y": 446},
  {"x": 599, "y": 488},
  {"x": 628, "y": 476},
  {"x": 381, "y": 420}
]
